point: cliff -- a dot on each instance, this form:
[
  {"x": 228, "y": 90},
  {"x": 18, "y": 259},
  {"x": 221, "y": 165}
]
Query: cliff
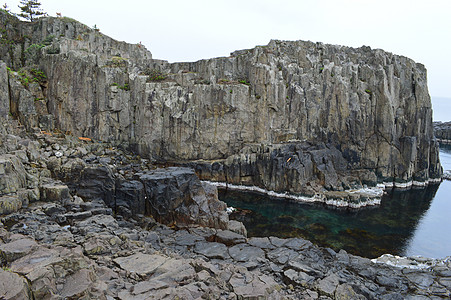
[{"x": 297, "y": 116}]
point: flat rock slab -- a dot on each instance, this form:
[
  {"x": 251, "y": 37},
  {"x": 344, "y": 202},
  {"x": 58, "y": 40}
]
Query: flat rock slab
[
  {"x": 174, "y": 271},
  {"x": 298, "y": 244},
  {"x": 245, "y": 253},
  {"x": 35, "y": 260},
  {"x": 16, "y": 249},
  {"x": 12, "y": 286},
  {"x": 187, "y": 239},
  {"x": 229, "y": 238},
  {"x": 140, "y": 263},
  {"x": 261, "y": 242},
  {"x": 77, "y": 284},
  {"x": 146, "y": 286},
  {"x": 257, "y": 287},
  {"x": 281, "y": 255},
  {"x": 212, "y": 250}
]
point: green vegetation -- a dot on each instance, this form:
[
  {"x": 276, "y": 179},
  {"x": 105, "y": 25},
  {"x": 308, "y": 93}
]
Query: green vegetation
[
  {"x": 48, "y": 40},
  {"x": 124, "y": 87},
  {"x": 116, "y": 62},
  {"x": 33, "y": 51},
  {"x": 244, "y": 81},
  {"x": 258, "y": 97},
  {"x": 368, "y": 91},
  {"x": 224, "y": 81},
  {"x": 68, "y": 20},
  {"x": 202, "y": 81},
  {"x": 53, "y": 50},
  {"x": 38, "y": 76},
  {"x": 5, "y": 9},
  {"x": 155, "y": 75},
  {"x": 26, "y": 77},
  {"x": 231, "y": 91},
  {"x": 30, "y": 10}
]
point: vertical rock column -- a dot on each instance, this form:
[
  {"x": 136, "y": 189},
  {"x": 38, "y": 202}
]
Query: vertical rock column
[{"x": 4, "y": 91}]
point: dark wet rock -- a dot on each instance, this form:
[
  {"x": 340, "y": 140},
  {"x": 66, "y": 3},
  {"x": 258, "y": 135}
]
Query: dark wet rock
[
  {"x": 96, "y": 182},
  {"x": 131, "y": 194},
  {"x": 176, "y": 195}
]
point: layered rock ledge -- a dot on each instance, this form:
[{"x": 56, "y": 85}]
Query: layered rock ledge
[{"x": 298, "y": 117}]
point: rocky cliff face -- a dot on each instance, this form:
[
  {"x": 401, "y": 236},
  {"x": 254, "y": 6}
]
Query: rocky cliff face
[
  {"x": 296, "y": 116},
  {"x": 443, "y": 131}
]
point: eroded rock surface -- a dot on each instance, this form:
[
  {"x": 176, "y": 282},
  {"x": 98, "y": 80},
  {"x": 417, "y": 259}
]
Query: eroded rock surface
[{"x": 276, "y": 116}]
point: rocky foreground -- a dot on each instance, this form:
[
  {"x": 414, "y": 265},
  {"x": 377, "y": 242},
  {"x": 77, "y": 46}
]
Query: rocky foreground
[{"x": 60, "y": 240}]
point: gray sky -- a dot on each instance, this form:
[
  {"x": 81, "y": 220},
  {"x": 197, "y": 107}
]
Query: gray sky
[{"x": 189, "y": 30}]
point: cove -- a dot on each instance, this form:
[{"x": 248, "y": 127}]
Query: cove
[{"x": 407, "y": 223}]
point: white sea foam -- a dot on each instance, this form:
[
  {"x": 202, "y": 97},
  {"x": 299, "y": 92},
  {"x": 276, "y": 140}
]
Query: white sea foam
[
  {"x": 369, "y": 196},
  {"x": 414, "y": 262}
]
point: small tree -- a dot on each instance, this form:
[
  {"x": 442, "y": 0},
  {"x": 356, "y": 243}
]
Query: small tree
[
  {"x": 6, "y": 8},
  {"x": 30, "y": 10}
]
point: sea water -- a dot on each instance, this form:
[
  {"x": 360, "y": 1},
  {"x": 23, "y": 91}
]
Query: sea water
[{"x": 413, "y": 222}]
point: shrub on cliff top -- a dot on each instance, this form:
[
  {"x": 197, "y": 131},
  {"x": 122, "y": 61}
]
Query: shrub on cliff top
[{"x": 155, "y": 75}]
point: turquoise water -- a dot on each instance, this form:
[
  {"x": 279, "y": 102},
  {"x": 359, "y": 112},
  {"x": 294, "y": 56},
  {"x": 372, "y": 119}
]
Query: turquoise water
[{"x": 414, "y": 222}]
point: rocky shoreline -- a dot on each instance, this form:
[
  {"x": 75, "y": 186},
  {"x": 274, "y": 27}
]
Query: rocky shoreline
[
  {"x": 99, "y": 220},
  {"x": 60, "y": 245}
]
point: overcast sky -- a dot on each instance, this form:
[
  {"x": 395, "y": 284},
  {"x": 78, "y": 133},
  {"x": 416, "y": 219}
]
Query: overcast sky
[{"x": 189, "y": 30}]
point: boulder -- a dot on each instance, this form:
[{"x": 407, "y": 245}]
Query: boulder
[
  {"x": 9, "y": 204},
  {"x": 176, "y": 196},
  {"x": 12, "y": 174},
  {"x": 54, "y": 192}
]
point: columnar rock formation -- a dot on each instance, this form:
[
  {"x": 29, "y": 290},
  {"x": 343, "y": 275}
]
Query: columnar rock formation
[{"x": 296, "y": 116}]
